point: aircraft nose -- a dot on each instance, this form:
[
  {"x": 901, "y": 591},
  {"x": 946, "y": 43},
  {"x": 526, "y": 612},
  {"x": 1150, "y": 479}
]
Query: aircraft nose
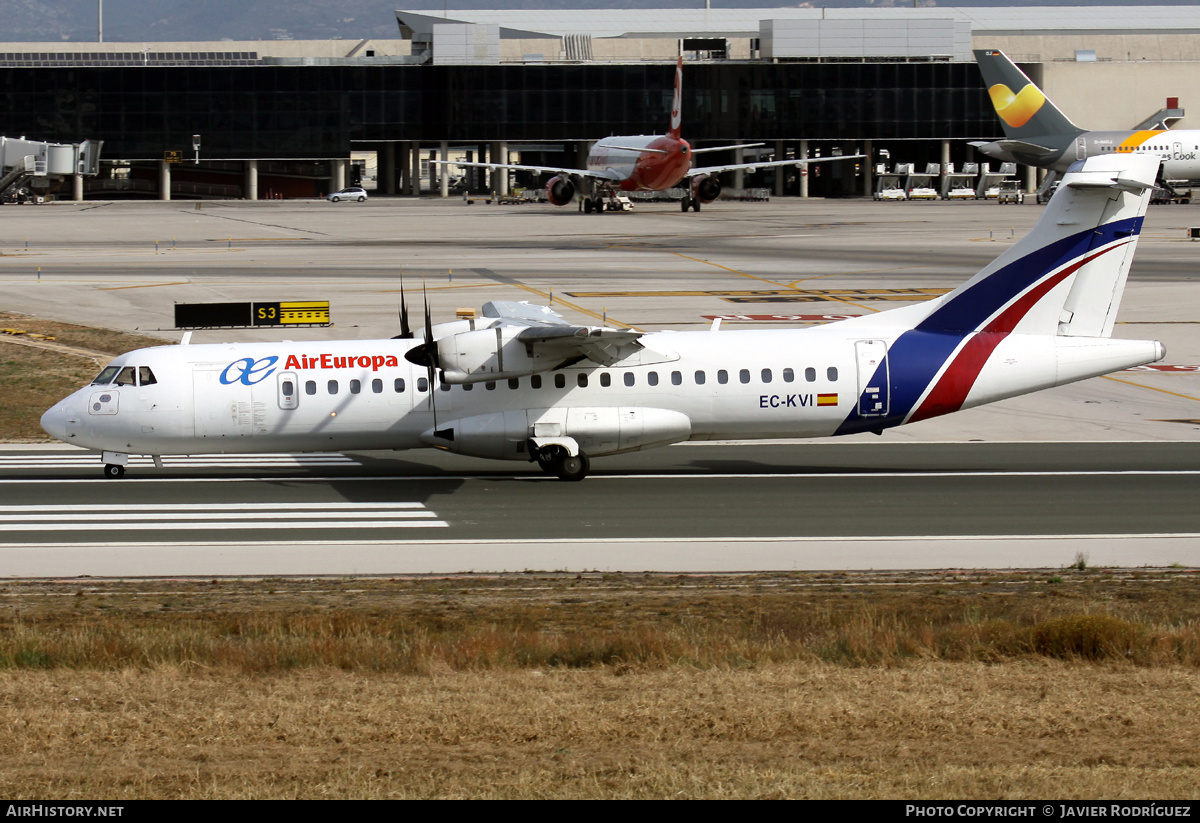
[{"x": 54, "y": 421}]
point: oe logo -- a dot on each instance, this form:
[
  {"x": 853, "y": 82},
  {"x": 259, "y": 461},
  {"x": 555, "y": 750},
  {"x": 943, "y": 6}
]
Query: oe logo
[{"x": 248, "y": 371}]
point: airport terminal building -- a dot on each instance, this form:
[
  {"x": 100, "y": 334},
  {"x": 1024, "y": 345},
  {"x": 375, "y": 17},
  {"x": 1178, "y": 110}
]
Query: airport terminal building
[{"x": 285, "y": 118}]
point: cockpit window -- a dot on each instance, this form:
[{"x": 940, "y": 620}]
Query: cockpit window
[
  {"x": 126, "y": 377},
  {"x": 106, "y": 376},
  {"x": 145, "y": 376}
]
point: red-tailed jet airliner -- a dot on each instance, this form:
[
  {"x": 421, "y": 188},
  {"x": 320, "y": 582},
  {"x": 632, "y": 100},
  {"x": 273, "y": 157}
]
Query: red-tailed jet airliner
[{"x": 645, "y": 162}]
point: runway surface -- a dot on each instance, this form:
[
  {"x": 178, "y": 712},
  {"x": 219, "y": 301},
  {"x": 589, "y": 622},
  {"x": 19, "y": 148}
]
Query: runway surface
[
  {"x": 718, "y": 507},
  {"x": 1106, "y": 468}
]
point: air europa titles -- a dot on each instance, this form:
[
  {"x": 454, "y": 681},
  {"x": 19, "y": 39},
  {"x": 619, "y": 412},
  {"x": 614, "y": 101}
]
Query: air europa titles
[{"x": 374, "y": 362}]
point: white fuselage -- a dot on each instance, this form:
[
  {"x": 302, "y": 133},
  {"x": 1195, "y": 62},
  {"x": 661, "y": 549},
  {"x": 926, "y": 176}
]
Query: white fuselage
[{"x": 344, "y": 395}]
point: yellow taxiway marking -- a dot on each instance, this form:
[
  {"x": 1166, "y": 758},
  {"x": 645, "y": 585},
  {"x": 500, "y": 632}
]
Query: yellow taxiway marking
[
  {"x": 1150, "y": 388},
  {"x": 764, "y": 280},
  {"x": 144, "y": 286}
]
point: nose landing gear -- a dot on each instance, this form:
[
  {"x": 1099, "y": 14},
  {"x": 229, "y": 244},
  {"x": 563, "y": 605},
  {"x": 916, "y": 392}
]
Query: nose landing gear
[{"x": 114, "y": 464}]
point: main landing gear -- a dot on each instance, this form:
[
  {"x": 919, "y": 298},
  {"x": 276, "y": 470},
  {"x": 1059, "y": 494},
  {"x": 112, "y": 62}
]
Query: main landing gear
[
  {"x": 113, "y": 472},
  {"x": 558, "y": 461},
  {"x": 687, "y": 200}
]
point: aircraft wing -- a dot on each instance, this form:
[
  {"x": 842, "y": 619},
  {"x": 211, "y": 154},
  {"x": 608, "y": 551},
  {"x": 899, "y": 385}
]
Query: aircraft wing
[
  {"x": 797, "y": 162},
  {"x": 545, "y": 330},
  {"x": 607, "y": 174}
]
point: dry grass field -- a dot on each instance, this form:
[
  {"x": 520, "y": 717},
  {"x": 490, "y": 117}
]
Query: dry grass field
[{"x": 1079, "y": 683}]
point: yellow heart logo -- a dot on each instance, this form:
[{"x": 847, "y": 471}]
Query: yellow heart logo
[{"x": 1016, "y": 109}]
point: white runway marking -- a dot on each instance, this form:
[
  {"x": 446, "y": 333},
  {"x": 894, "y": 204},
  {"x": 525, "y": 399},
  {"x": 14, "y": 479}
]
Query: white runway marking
[
  {"x": 216, "y": 516},
  {"x": 212, "y": 461}
]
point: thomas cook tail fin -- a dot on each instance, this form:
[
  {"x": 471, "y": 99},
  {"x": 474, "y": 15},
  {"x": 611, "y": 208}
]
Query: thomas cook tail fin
[{"x": 1024, "y": 110}]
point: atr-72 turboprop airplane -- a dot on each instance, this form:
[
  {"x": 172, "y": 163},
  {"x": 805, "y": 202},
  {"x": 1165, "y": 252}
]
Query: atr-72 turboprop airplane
[
  {"x": 521, "y": 383},
  {"x": 645, "y": 163},
  {"x": 1038, "y": 134}
]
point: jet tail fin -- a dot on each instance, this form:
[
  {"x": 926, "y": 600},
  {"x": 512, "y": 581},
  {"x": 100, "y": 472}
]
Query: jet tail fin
[
  {"x": 1021, "y": 106},
  {"x": 676, "y": 128}
]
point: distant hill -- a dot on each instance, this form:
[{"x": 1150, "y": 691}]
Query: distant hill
[{"x": 165, "y": 20}]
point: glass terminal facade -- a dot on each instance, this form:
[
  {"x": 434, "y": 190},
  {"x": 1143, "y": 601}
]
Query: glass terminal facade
[{"x": 297, "y": 112}]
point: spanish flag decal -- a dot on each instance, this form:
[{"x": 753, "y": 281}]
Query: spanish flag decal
[{"x": 827, "y": 399}]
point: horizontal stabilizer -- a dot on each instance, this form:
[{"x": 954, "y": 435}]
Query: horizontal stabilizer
[{"x": 1019, "y": 147}]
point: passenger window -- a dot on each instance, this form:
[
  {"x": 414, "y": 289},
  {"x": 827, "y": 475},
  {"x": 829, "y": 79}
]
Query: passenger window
[
  {"x": 422, "y": 384},
  {"x": 399, "y": 385},
  {"x": 699, "y": 378},
  {"x": 605, "y": 379},
  {"x": 629, "y": 378},
  {"x": 332, "y": 386},
  {"x": 766, "y": 375},
  {"x": 722, "y": 376},
  {"x": 535, "y": 381},
  {"x": 514, "y": 382},
  {"x": 676, "y": 378},
  {"x": 489, "y": 385},
  {"x": 789, "y": 376},
  {"x": 560, "y": 381},
  {"x": 469, "y": 386},
  {"x": 377, "y": 386},
  {"x": 355, "y": 386},
  {"x": 126, "y": 377},
  {"x": 582, "y": 380},
  {"x": 288, "y": 388},
  {"x": 810, "y": 374},
  {"x": 145, "y": 376},
  {"x": 652, "y": 378},
  {"x": 744, "y": 375},
  {"x": 832, "y": 374},
  {"x": 106, "y": 375},
  {"x": 310, "y": 387},
  {"x": 443, "y": 385}
]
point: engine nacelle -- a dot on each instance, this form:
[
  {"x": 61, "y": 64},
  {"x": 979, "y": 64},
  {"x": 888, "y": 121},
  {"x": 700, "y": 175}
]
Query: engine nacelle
[
  {"x": 490, "y": 354},
  {"x": 597, "y": 430},
  {"x": 560, "y": 190},
  {"x": 706, "y": 189}
]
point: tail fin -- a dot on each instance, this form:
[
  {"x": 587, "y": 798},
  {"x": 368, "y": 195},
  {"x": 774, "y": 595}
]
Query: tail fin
[
  {"x": 1022, "y": 107},
  {"x": 1067, "y": 275},
  {"x": 677, "y": 103},
  {"x": 1036, "y": 317}
]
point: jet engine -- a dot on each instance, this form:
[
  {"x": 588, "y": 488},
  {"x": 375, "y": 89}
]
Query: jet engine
[
  {"x": 706, "y": 189},
  {"x": 560, "y": 190}
]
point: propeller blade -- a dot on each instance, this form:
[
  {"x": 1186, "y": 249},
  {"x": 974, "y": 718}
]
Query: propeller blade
[
  {"x": 405, "y": 329},
  {"x": 431, "y": 359}
]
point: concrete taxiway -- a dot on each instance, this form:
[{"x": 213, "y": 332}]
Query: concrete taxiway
[{"x": 1112, "y": 477}]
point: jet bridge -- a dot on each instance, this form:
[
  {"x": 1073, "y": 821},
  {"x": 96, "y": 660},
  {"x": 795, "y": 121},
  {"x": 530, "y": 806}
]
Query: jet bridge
[{"x": 35, "y": 162}]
